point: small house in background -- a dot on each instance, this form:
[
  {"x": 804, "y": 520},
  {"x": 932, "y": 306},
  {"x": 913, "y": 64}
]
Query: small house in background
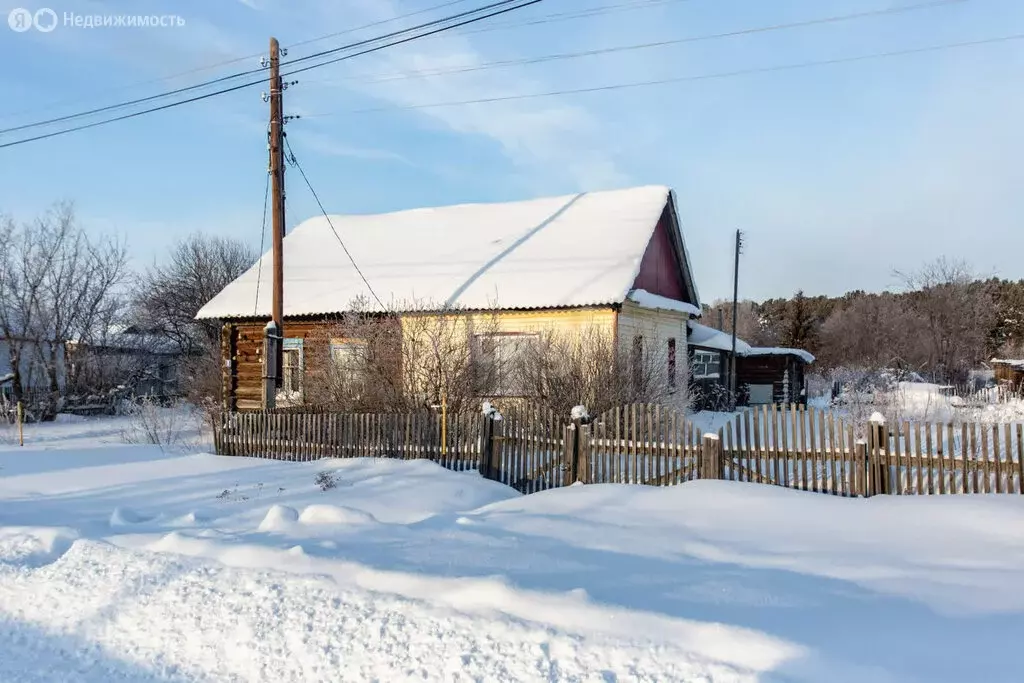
[
  {"x": 1009, "y": 372},
  {"x": 773, "y": 375},
  {"x": 130, "y": 360},
  {"x": 763, "y": 375}
]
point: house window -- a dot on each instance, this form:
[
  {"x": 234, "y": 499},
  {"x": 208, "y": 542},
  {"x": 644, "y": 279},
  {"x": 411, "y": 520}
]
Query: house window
[
  {"x": 672, "y": 363},
  {"x": 349, "y": 358},
  {"x": 291, "y": 371},
  {"x": 498, "y": 358},
  {"x": 706, "y": 365}
]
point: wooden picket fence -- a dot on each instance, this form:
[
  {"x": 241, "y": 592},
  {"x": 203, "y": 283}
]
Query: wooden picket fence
[
  {"x": 455, "y": 444},
  {"x": 533, "y": 449},
  {"x": 812, "y": 450}
]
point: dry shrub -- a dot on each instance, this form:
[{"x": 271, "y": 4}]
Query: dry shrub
[
  {"x": 170, "y": 427},
  {"x": 379, "y": 363},
  {"x": 587, "y": 367}
]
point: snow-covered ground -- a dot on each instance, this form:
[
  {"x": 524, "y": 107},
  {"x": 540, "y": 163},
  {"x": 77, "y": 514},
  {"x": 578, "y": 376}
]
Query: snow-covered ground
[{"x": 122, "y": 562}]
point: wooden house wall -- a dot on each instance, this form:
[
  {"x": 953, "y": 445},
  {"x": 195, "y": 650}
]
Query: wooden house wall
[
  {"x": 1010, "y": 374},
  {"x": 772, "y": 370},
  {"x": 660, "y": 270},
  {"x": 242, "y": 341}
]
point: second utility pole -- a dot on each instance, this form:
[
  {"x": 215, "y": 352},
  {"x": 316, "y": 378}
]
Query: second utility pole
[
  {"x": 275, "y": 330},
  {"x": 735, "y": 305}
]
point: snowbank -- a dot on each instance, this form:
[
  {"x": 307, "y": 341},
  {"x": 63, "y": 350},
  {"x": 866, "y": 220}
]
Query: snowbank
[{"x": 205, "y": 568}]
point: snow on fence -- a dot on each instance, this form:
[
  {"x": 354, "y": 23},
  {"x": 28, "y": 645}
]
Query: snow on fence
[{"x": 533, "y": 449}]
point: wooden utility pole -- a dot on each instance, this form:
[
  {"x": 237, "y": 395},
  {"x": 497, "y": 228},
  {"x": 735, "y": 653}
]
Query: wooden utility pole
[
  {"x": 273, "y": 351},
  {"x": 735, "y": 306}
]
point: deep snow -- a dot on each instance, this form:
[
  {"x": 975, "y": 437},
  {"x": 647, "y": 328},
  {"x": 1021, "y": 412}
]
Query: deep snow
[{"x": 125, "y": 563}]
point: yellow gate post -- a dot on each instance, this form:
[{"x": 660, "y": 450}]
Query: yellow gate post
[{"x": 21, "y": 421}]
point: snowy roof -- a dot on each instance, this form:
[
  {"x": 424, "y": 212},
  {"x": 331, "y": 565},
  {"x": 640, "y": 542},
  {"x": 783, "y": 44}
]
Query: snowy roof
[
  {"x": 644, "y": 299},
  {"x": 779, "y": 351},
  {"x": 1013, "y": 363},
  {"x": 710, "y": 338},
  {"x": 574, "y": 250}
]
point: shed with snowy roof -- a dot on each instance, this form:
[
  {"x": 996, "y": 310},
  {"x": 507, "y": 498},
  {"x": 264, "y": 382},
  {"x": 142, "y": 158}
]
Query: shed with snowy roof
[
  {"x": 763, "y": 374},
  {"x": 613, "y": 260}
]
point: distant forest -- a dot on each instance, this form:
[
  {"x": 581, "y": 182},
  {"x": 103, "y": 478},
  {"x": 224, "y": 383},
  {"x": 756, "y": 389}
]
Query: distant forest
[{"x": 942, "y": 322}]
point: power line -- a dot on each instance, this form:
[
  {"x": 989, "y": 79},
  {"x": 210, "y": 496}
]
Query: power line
[
  {"x": 295, "y": 162},
  {"x": 681, "y": 79},
  {"x": 260, "y": 81},
  {"x": 241, "y": 58},
  {"x": 384, "y": 78},
  {"x": 576, "y": 14},
  {"x": 465, "y": 22},
  {"x": 460, "y": 15},
  {"x": 230, "y": 77},
  {"x": 263, "y": 241}
]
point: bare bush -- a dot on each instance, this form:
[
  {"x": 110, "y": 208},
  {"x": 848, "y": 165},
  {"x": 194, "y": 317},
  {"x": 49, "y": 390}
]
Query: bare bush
[
  {"x": 171, "y": 427},
  {"x": 326, "y": 480},
  {"x": 370, "y": 362},
  {"x": 588, "y": 367}
]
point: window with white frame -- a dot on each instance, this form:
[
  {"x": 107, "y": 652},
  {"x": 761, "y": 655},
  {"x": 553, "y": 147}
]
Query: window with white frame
[
  {"x": 349, "y": 358},
  {"x": 706, "y": 365},
  {"x": 498, "y": 357},
  {"x": 291, "y": 371}
]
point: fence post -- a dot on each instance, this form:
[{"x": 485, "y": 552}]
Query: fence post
[
  {"x": 582, "y": 459},
  {"x": 21, "y": 424},
  {"x": 486, "y": 446},
  {"x": 878, "y": 439},
  {"x": 710, "y": 457},
  {"x": 860, "y": 469},
  {"x": 497, "y": 440},
  {"x": 569, "y": 434}
]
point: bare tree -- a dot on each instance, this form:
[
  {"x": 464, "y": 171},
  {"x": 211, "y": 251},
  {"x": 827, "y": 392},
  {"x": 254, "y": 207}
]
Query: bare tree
[
  {"x": 873, "y": 331},
  {"x": 751, "y": 326},
  {"x": 957, "y": 313},
  {"x": 173, "y": 291},
  {"x": 57, "y": 285}
]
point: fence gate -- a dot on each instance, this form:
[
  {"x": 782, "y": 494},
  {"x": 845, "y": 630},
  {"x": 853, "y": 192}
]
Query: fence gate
[
  {"x": 640, "y": 444},
  {"x": 529, "y": 449}
]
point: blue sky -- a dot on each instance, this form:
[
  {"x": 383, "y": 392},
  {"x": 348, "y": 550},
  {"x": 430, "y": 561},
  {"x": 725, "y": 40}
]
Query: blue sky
[{"x": 839, "y": 174}]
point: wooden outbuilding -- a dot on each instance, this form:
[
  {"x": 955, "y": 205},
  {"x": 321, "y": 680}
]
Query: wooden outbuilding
[{"x": 1009, "y": 372}]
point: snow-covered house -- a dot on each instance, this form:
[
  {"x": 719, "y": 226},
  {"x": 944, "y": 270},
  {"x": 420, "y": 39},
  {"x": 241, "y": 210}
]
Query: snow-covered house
[{"x": 615, "y": 260}]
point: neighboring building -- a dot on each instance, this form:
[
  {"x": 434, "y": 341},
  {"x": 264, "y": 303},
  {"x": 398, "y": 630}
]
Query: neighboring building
[
  {"x": 763, "y": 375},
  {"x": 33, "y": 376},
  {"x": 130, "y": 359},
  {"x": 1009, "y": 372},
  {"x": 613, "y": 260},
  {"x": 773, "y": 375}
]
